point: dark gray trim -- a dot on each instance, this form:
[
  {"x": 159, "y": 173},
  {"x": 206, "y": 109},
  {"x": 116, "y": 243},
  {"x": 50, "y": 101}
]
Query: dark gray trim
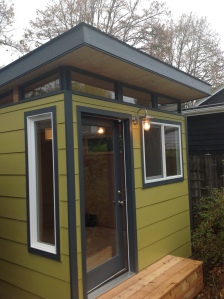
[
  {"x": 65, "y": 78},
  {"x": 70, "y": 162},
  {"x": 179, "y": 107},
  {"x": 132, "y": 228},
  {"x": 30, "y": 249},
  {"x": 154, "y": 101},
  {"x": 131, "y": 206},
  {"x": 166, "y": 181},
  {"x": 189, "y": 176},
  {"x": 119, "y": 91},
  {"x": 84, "y": 34}
]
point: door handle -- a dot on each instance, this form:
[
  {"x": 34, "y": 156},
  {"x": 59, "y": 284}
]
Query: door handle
[{"x": 120, "y": 202}]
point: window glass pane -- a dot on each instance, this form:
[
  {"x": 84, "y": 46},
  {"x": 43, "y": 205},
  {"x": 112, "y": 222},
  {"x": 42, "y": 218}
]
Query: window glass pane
[
  {"x": 5, "y": 99},
  {"x": 137, "y": 97},
  {"x": 172, "y": 150},
  {"x": 167, "y": 104},
  {"x": 90, "y": 85},
  {"x": 43, "y": 86},
  {"x": 45, "y": 182},
  {"x": 153, "y": 152}
]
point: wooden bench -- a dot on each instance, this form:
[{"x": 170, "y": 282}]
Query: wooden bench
[{"x": 170, "y": 278}]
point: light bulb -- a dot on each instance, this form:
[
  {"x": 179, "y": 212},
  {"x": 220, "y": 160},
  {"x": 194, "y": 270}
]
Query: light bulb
[
  {"x": 146, "y": 123},
  {"x": 100, "y": 130}
]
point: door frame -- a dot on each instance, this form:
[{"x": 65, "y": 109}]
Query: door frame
[{"x": 130, "y": 190}]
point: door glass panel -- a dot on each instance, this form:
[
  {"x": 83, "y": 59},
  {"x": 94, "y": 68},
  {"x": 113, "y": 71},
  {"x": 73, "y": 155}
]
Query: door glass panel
[{"x": 99, "y": 186}]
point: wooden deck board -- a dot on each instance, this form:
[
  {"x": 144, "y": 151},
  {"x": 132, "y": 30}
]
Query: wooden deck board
[{"x": 169, "y": 278}]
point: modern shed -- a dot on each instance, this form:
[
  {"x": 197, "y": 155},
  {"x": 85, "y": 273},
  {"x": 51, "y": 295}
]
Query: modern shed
[{"x": 89, "y": 195}]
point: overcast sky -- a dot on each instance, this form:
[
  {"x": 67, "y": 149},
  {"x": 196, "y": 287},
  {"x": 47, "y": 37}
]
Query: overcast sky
[{"x": 213, "y": 10}]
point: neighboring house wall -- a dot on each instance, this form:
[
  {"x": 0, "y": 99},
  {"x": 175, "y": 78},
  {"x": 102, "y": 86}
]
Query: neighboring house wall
[
  {"x": 162, "y": 212},
  {"x": 25, "y": 275},
  {"x": 217, "y": 98},
  {"x": 206, "y": 134}
]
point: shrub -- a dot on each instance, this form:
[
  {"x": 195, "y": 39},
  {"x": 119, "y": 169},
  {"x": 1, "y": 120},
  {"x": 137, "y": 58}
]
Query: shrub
[{"x": 208, "y": 237}]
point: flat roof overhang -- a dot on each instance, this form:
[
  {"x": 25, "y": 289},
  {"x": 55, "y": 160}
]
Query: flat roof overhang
[{"x": 89, "y": 49}]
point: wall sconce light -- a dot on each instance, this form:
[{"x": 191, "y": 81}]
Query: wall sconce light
[
  {"x": 145, "y": 120},
  {"x": 100, "y": 130},
  {"x": 48, "y": 134}
]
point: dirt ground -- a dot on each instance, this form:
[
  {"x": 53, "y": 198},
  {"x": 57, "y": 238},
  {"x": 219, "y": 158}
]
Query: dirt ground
[{"x": 213, "y": 284}]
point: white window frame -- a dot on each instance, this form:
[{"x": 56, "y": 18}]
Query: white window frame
[
  {"x": 164, "y": 177},
  {"x": 33, "y": 183}
]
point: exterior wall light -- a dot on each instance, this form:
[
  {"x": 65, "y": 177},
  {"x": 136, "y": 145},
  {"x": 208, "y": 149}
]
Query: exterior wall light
[{"x": 145, "y": 120}]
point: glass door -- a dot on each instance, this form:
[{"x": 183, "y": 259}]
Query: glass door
[{"x": 104, "y": 197}]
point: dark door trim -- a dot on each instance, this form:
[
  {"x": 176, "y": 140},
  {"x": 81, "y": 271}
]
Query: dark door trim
[{"x": 131, "y": 209}]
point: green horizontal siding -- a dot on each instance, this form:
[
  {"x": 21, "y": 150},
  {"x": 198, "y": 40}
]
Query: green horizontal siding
[{"x": 25, "y": 275}]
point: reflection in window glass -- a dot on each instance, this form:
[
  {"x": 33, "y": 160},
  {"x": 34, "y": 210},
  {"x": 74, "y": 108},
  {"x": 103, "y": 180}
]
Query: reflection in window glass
[
  {"x": 172, "y": 149},
  {"x": 45, "y": 199},
  {"x": 137, "y": 97},
  {"x": 90, "y": 85},
  {"x": 6, "y": 98},
  {"x": 43, "y": 86},
  {"x": 167, "y": 104},
  {"x": 153, "y": 149}
]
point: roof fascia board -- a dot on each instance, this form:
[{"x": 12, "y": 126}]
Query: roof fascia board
[
  {"x": 203, "y": 110},
  {"x": 90, "y": 36},
  {"x": 41, "y": 56},
  {"x": 108, "y": 44}
]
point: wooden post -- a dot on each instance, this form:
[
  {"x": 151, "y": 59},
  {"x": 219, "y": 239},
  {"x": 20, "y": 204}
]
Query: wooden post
[
  {"x": 15, "y": 94},
  {"x": 208, "y": 172}
]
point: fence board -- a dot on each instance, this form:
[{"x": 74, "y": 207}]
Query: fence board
[{"x": 206, "y": 172}]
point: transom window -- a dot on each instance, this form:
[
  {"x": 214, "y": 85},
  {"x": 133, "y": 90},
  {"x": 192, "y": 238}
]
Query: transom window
[
  {"x": 43, "y": 86},
  {"x": 6, "y": 98},
  {"x": 137, "y": 97},
  {"x": 162, "y": 152},
  {"x": 91, "y": 85}
]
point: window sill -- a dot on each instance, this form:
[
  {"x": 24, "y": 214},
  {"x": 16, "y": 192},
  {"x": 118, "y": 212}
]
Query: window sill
[{"x": 162, "y": 182}]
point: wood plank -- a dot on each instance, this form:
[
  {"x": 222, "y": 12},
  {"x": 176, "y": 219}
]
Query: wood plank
[
  {"x": 133, "y": 280},
  {"x": 174, "y": 281},
  {"x": 149, "y": 283},
  {"x": 160, "y": 276},
  {"x": 169, "y": 278},
  {"x": 159, "y": 282}
]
